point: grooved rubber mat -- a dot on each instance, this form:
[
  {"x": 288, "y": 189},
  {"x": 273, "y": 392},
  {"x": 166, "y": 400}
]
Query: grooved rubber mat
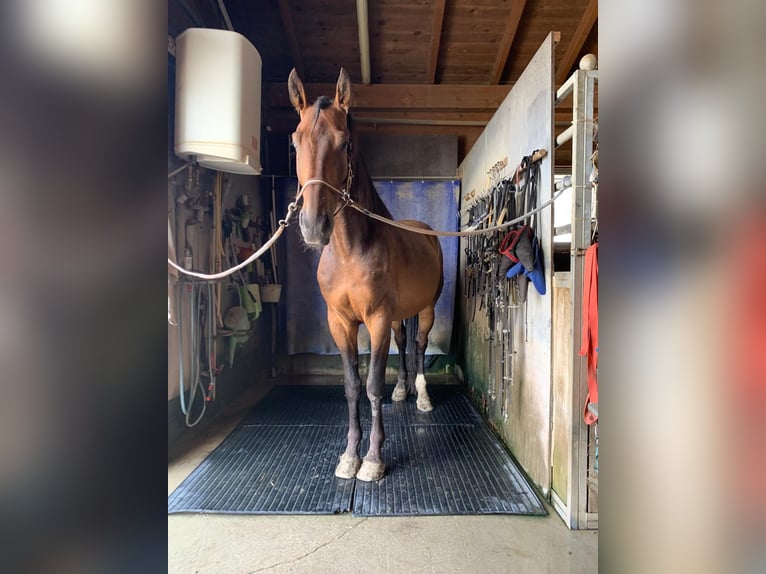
[
  {"x": 281, "y": 460},
  {"x": 445, "y": 469},
  {"x": 302, "y": 406},
  {"x": 269, "y": 470}
]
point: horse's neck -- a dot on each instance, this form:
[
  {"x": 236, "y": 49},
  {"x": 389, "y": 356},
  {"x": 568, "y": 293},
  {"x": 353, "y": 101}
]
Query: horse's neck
[
  {"x": 363, "y": 191},
  {"x": 354, "y": 231}
]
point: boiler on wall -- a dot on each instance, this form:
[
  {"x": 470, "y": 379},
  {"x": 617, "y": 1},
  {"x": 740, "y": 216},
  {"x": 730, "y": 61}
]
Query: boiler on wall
[{"x": 218, "y": 100}]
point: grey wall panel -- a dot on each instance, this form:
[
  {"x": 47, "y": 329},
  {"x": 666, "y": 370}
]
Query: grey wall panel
[{"x": 522, "y": 123}]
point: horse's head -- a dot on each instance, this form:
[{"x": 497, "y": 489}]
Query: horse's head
[{"x": 322, "y": 152}]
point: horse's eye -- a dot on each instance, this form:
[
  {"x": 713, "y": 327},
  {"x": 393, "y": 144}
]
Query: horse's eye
[{"x": 346, "y": 145}]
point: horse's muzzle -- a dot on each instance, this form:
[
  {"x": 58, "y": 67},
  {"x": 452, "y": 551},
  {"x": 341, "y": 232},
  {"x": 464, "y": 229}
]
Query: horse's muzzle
[{"x": 316, "y": 231}]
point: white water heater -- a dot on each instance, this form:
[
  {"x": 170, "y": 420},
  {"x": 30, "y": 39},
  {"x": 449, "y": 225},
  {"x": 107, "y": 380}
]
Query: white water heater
[{"x": 218, "y": 100}]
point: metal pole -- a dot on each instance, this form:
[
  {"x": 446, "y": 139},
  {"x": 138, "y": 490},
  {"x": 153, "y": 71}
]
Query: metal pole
[
  {"x": 582, "y": 144},
  {"x": 364, "y": 39}
]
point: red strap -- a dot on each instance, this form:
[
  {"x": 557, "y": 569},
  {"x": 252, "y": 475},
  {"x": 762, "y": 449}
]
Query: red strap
[
  {"x": 509, "y": 242},
  {"x": 589, "y": 346}
]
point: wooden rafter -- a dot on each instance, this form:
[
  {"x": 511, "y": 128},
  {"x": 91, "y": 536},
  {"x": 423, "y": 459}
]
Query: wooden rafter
[
  {"x": 284, "y": 120},
  {"x": 402, "y": 96},
  {"x": 584, "y": 27},
  {"x": 436, "y": 34},
  {"x": 511, "y": 25},
  {"x": 292, "y": 40}
]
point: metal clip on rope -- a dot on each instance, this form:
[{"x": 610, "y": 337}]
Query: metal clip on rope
[{"x": 292, "y": 208}]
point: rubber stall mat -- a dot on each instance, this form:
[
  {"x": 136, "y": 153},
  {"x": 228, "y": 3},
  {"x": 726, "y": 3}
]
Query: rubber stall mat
[
  {"x": 445, "y": 469},
  {"x": 269, "y": 470},
  {"x": 301, "y": 405},
  {"x": 281, "y": 460},
  {"x": 451, "y": 407},
  {"x": 326, "y": 405},
  {"x": 444, "y": 462}
]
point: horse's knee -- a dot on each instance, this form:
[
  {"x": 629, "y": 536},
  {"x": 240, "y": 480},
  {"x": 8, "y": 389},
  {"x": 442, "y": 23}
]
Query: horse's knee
[{"x": 353, "y": 390}]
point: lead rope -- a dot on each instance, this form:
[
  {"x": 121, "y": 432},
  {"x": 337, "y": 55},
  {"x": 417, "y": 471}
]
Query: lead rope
[
  {"x": 351, "y": 203},
  {"x": 468, "y": 233},
  {"x": 348, "y": 202},
  {"x": 283, "y": 223}
]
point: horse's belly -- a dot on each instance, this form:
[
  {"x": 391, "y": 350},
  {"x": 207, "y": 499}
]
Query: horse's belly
[{"x": 417, "y": 290}]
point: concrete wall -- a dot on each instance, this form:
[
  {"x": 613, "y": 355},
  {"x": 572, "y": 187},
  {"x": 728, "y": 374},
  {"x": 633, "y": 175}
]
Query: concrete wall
[
  {"x": 416, "y": 156},
  {"x": 523, "y": 123}
]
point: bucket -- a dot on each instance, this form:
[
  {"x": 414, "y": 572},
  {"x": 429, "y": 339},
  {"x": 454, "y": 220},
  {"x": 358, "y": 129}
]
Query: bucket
[{"x": 270, "y": 293}]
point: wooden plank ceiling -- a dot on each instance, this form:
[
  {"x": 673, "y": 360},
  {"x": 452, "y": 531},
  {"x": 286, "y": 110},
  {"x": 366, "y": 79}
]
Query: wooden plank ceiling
[{"x": 437, "y": 66}]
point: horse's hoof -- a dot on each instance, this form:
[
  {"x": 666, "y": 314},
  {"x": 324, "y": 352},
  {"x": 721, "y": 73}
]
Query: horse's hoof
[
  {"x": 399, "y": 394},
  {"x": 424, "y": 404},
  {"x": 371, "y": 471},
  {"x": 348, "y": 466}
]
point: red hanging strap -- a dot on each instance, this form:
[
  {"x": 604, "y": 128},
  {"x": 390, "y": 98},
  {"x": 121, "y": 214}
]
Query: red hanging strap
[{"x": 589, "y": 346}]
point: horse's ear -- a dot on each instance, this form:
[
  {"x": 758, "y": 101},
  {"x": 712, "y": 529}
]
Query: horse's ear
[
  {"x": 343, "y": 90},
  {"x": 297, "y": 93}
]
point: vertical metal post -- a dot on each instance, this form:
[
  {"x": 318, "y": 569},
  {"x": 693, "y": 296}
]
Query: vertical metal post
[{"x": 582, "y": 144}]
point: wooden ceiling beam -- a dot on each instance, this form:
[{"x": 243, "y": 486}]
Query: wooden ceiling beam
[
  {"x": 584, "y": 27},
  {"x": 436, "y": 35},
  {"x": 292, "y": 39},
  {"x": 401, "y": 96},
  {"x": 504, "y": 50},
  {"x": 282, "y": 117}
]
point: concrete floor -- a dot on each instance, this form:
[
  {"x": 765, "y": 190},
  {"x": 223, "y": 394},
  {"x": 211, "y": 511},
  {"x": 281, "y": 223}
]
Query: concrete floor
[{"x": 200, "y": 543}]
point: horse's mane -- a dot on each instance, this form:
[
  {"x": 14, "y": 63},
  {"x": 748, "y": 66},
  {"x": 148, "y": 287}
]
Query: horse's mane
[{"x": 363, "y": 186}]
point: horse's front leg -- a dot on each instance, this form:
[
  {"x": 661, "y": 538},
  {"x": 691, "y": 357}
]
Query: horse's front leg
[
  {"x": 380, "y": 338},
  {"x": 345, "y": 335}
]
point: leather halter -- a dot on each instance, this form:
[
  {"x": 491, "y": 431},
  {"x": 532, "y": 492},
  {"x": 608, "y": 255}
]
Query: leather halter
[{"x": 345, "y": 193}]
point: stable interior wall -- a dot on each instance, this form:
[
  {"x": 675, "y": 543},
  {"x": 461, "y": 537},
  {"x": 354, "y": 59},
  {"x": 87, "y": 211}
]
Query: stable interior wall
[
  {"x": 520, "y": 414},
  {"x": 253, "y": 360}
]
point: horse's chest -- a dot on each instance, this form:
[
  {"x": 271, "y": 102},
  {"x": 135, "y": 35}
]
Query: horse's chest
[{"x": 353, "y": 286}]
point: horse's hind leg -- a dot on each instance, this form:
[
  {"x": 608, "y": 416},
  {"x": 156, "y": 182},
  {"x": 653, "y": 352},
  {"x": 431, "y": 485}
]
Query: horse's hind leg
[
  {"x": 400, "y": 390},
  {"x": 345, "y": 336},
  {"x": 425, "y": 323}
]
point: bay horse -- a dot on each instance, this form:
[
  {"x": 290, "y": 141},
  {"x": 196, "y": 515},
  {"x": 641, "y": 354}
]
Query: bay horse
[{"x": 369, "y": 272}]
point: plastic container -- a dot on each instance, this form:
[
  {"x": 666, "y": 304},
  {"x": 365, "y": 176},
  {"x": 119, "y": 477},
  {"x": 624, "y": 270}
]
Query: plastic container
[{"x": 218, "y": 100}]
